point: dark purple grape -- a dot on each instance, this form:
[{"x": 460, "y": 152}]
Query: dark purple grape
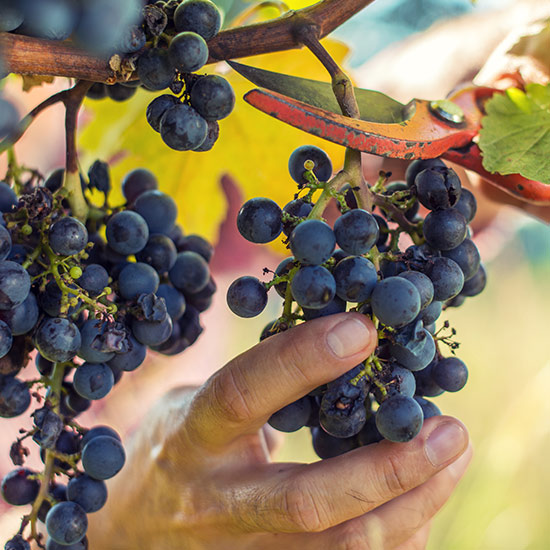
[
  {"x": 259, "y": 220},
  {"x": 292, "y": 417},
  {"x": 15, "y": 284},
  {"x": 57, "y": 339},
  {"x": 66, "y": 523},
  {"x": 152, "y": 333},
  {"x": 428, "y": 408},
  {"x": 355, "y": 278},
  {"x": 322, "y": 164},
  {"x": 466, "y": 255},
  {"x": 17, "y": 489},
  {"x": 138, "y": 181},
  {"x": 89, "y": 493},
  {"x": 467, "y": 205},
  {"x": 94, "y": 279},
  {"x": 175, "y": 301},
  {"x": 298, "y": 208},
  {"x": 327, "y": 446},
  {"x": 93, "y": 380},
  {"x": 450, "y": 374},
  {"x": 413, "y": 346},
  {"x": 103, "y": 457},
  {"x": 313, "y": 287},
  {"x": 154, "y": 69},
  {"x": 137, "y": 278},
  {"x": 127, "y": 232},
  {"x": 417, "y": 166},
  {"x": 247, "y": 297},
  {"x": 200, "y": 16},
  {"x": 312, "y": 242},
  {"x": 447, "y": 278},
  {"x": 211, "y": 137},
  {"x": 119, "y": 92},
  {"x": 188, "y": 52},
  {"x": 337, "y": 305},
  {"x": 182, "y": 128},
  {"x": 356, "y": 232},
  {"x": 158, "y": 209},
  {"x": 212, "y": 97},
  {"x": 190, "y": 273},
  {"x": 444, "y": 229},
  {"x": 395, "y": 301},
  {"x": 399, "y": 418},
  {"x": 423, "y": 285},
  {"x": 437, "y": 188},
  {"x": 475, "y": 285},
  {"x": 96, "y": 431}
]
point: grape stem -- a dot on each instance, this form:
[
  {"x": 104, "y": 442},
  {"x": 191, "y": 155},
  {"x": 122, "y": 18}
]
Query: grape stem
[{"x": 55, "y": 385}]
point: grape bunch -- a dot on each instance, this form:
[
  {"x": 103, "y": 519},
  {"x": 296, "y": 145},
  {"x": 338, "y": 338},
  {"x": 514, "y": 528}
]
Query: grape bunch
[
  {"x": 170, "y": 45},
  {"x": 90, "y": 306},
  {"x": 392, "y": 265}
]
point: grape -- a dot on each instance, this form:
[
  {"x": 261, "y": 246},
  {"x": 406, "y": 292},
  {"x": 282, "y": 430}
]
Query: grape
[
  {"x": 414, "y": 168},
  {"x": 103, "y": 457},
  {"x": 154, "y": 69},
  {"x": 413, "y": 346},
  {"x": 17, "y": 543},
  {"x": 395, "y": 301},
  {"x": 57, "y": 339},
  {"x": 292, "y": 417},
  {"x": 188, "y": 52},
  {"x": 313, "y": 287},
  {"x": 119, "y": 92},
  {"x": 132, "y": 40},
  {"x": 154, "y": 113},
  {"x": 466, "y": 205},
  {"x": 400, "y": 381},
  {"x": 475, "y": 285},
  {"x": 5, "y": 243},
  {"x": 328, "y": 446},
  {"x": 80, "y": 545},
  {"x": 96, "y": 431},
  {"x": 450, "y": 374},
  {"x": 131, "y": 359},
  {"x": 369, "y": 432},
  {"x": 444, "y": 229},
  {"x": 68, "y": 236},
  {"x": 355, "y": 279},
  {"x": 425, "y": 384},
  {"x": 312, "y": 242},
  {"x": 428, "y": 408},
  {"x": 92, "y": 347},
  {"x": 137, "y": 182},
  {"x": 66, "y": 523},
  {"x": 11, "y": 15},
  {"x": 49, "y": 19},
  {"x": 356, "y": 231},
  {"x": 423, "y": 285},
  {"x": 93, "y": 380},
  {"x": 17, "y": 489},
  {"x": 298, "y": 208},
  {"x": 190, "y": 272},
  {"x": 447, "y": 278},
  {"x": 259, "y": 220},
  {"x": 466, "y": 255},
  {"x": 127, "y": 232},
  {"x": 98, "y": 90},
  {"x": 182, "y": 128},
  {"x": 94, "y": 279},
  {"x": 399, "y": 418},
  {"x": 158, "y": 209},
  {"x": 43, "y": 366},
  {"x": 322, "y": 164},
  {"x": 343, "y": 412},
  {"x": 175, "y": 302},
  {"x": 49, "y": 425},
  {"x": 437, "y": 188},
  {"x": 431, "y": 313},
  {"x": 6, "y": 339},
  {"x": 199, "y": 16},
  {"x": 211, "y": 137},
  {"x": 337, "y": 305},
  {"x": 246, "y": 297},
  {"x": 15, "y": 284},
  {"x": 212, "y": 97},
  {"x": 152, "y": 333},
  {"x": 202, "y": 300},
  {"x": 138, "y": 278},
  {"x": 195, "y": 243},
  {"x": 283, "y": 269},
  {"x": 89, "y": 493}
]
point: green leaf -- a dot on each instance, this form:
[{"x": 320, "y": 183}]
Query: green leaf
[
  {"x": 515, "y": 137},
  {"x": 374, "y": 106}
]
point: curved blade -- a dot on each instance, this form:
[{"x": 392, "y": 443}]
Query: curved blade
[
  {"x": 420, "y": 135},
  {"x": 374, "y": 106}
]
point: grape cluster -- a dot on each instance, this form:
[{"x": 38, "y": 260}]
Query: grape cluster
[
  {"x": 90, "y": 306},
  {"x": 172, "y": 45},
  {"x": 391, "y": 265}
]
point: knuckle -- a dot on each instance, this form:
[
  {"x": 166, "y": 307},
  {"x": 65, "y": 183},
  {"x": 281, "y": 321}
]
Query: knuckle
[
  {"x": 230, "y": 397},
  {"x": 301, "y": 509},
  {"x": 394, "y": 480}
]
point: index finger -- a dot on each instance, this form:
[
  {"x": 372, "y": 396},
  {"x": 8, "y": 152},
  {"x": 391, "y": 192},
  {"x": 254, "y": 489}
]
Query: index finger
[{"x": 239, "y": 398}]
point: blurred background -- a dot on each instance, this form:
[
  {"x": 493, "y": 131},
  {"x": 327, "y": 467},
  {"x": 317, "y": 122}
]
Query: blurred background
[{"x": 503, "y": 501}]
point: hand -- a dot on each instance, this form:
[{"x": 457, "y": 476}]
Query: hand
[{"x": 199, "y": 475}]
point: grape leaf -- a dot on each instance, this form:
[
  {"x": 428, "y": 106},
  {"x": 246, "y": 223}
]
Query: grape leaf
[
  {"x": 515, "y": 137},
  {"x": 253, "y": 148}
]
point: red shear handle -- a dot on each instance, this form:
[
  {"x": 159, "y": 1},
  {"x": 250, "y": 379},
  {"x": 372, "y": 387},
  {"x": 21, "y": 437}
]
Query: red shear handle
[{"x": 514, "y": 184}]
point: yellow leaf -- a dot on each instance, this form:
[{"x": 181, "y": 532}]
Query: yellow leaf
[{"x": 253, "y": 148}]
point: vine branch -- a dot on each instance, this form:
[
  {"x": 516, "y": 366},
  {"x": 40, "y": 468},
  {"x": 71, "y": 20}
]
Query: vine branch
[{"x": 26, "y": 55}]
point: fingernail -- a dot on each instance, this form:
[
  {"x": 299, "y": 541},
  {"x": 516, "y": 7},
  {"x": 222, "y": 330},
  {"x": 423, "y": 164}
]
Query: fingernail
[
  {"x": 348, "y": 338},
  {"x": 445, "y": 442}
]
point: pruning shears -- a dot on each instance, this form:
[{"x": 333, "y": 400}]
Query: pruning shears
[{"x": 420, "y": 129}]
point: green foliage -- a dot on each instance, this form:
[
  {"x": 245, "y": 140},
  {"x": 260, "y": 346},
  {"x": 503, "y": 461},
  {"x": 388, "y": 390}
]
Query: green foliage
[{"x": 515, "y": 137}]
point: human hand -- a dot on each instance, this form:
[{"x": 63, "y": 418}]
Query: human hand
[{"x": 199, "y": 475}]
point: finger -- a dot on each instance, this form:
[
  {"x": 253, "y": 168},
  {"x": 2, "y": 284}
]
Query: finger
[
  {"x": 239, "y": 398},
  {"x": 315, "y": 497},
  {"x": 419, "y": 540},
  {"x": 398, "y": 521}
]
